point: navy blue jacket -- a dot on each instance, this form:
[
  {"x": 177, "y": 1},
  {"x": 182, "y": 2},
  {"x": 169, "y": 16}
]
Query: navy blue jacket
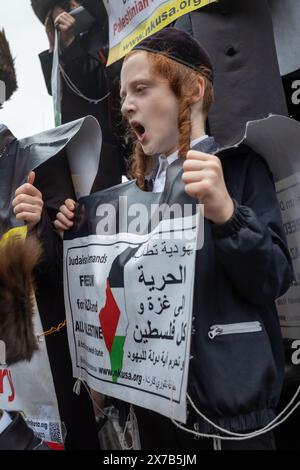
[{"x": 237, "y": 365}]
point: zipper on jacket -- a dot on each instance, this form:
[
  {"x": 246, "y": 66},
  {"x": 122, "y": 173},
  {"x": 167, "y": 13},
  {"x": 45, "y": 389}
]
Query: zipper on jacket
[{"x": 232, "y": 328}]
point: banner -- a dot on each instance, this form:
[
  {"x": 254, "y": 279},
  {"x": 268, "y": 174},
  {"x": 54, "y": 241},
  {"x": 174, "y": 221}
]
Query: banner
[
  {"x": 130, "y": 21},
  {"x": 79, "y": 142},
  {"x": 129, "y": 279},
  {"x": 277, "y": 139},
  {"x": 56, "y": 85},
  {"x": 28, "y": 386}
]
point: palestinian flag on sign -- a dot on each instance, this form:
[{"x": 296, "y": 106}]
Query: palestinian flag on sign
[{"x": 113, "y": 317}]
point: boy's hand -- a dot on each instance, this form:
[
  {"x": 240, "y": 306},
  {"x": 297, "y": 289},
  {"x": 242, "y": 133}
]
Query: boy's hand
[
  {"x": 204, "y": 180},
  {"x": 28, "y": 203},
  {"x": 64, "y": 217}
]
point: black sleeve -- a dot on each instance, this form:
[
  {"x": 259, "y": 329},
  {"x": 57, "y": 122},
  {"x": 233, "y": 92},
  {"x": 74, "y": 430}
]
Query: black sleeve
[
  {"x": 73, "y": 58},
  {"x": 75, "y": 51},
  {"x": 85, "y": 70},
  {"x": 82, "y": 66},
  {"x": 50, "y": 268},
  {"x": 252, "y": 244},
  {"x": 46, "y": 59}
]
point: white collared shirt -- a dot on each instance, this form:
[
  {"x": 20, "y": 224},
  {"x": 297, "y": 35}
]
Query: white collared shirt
[{"x": 164, "y": 162}]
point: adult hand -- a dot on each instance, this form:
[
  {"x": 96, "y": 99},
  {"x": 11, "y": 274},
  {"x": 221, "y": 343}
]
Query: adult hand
[
  {"x": 204, "y": 180},
  {"x": 28, "y": 203},
  {"x": 65, "y": 24},
  {"x": 64, "y": 218}
]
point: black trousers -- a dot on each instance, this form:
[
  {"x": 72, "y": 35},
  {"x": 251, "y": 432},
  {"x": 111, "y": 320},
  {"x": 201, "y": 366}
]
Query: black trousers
[{"x": 157, "y": 432}]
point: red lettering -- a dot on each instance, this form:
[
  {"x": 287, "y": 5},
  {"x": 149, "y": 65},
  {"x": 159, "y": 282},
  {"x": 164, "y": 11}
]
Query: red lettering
[{"x": 6, "y": 373}]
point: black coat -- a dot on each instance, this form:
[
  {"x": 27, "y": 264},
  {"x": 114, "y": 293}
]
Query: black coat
[
  {"x": 238, "y": 35},
  {"x": 236, "y": 368},
  {"x": 236, "y": 379}
]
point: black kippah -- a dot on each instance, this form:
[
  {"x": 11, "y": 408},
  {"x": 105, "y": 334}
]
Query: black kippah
[{"x": 179, "y": 46}]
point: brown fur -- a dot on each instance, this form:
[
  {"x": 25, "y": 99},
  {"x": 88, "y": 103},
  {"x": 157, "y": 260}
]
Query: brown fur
[
  {"x": 7, "y": 68},
  {"x": 17, "y": 261}
]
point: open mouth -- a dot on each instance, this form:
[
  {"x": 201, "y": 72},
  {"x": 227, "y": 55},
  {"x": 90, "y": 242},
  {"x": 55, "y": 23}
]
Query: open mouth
[{"x": 138, "y": 129}]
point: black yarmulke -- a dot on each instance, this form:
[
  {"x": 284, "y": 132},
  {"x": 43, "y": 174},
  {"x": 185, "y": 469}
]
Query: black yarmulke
[{"x": 179, "y": 46}]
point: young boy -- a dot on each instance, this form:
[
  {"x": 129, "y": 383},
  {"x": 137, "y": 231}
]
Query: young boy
[{"x": 236, "y": 365}]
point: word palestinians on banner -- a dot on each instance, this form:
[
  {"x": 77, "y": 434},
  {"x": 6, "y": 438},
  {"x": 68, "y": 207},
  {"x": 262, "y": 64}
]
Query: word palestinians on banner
[{"x": 131, "y": 21}]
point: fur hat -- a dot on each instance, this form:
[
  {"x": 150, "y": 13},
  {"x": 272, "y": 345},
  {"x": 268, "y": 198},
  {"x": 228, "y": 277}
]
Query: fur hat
[
  {"x": 7, "y": 68},
  {"x": 17, "y": 261},
  {"x": 42, "y": 7}
]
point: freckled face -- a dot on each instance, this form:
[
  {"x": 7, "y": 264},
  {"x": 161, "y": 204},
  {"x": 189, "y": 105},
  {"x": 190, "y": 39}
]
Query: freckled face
[{"x": 149, "y": 105}]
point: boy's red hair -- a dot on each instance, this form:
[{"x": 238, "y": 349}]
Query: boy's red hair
[{"x": 183, "y": 82}]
